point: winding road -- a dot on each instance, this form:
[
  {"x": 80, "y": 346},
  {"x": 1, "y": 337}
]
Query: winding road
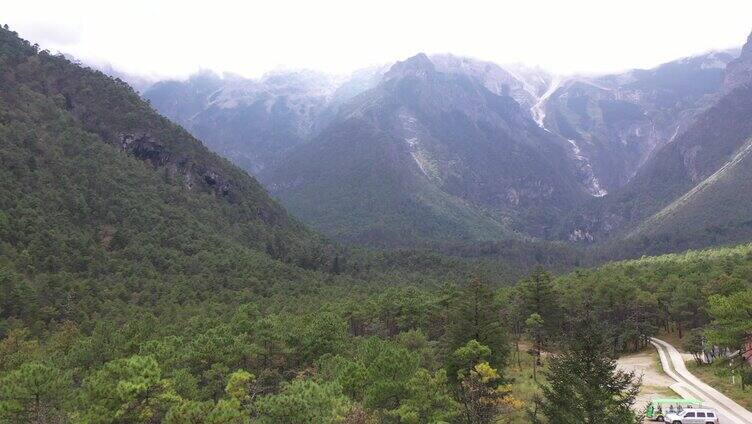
[{"x": 688, "y": 385}]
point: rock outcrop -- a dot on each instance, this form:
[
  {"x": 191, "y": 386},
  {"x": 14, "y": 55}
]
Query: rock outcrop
[{"x": 739, "y": 72}]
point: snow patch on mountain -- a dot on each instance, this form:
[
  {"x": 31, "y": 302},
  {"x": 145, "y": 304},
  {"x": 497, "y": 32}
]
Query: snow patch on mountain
[
  {"x": 297, "y": 87},
  {"x": 412, "y": 136},
  {"x": 539, "y": 108},
  {"x": 592, "y": 184},
  {"x": 713, "y": 61},
  {"x": 523, "y": 84}
]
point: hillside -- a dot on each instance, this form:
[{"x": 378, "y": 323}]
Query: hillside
[
  {"x": 144, "y": 279},
  {"x": 102, "y": 200},
  {"x": 99, "y": 191},
  {"x": 714, "y": 212},
  {"x": 695, "y": 186},
  {"x": 618, "y": 121}
]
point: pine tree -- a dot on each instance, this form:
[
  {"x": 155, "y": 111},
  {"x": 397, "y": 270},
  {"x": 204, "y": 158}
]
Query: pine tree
[
  {"x": 537, "y": 296},
  {"x": 534, "y": 325},
  {"x": 583, "y": 385},
  {"x": 428, "y": 400},
  {"x": 475, "y": 317},
  {"x": 33, "y": 393},
  {"x": 480, "y": 388}
]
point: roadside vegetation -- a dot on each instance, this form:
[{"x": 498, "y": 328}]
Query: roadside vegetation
[{"x": 719, "y": 376}]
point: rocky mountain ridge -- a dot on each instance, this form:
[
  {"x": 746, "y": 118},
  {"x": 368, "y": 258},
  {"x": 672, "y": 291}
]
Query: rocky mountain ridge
[
  {"x": 524, "y": 152},
  {"x": 694, "y": 184},
  {"x": 739, "y": 71},
  {"x": 450, "y": 136}
]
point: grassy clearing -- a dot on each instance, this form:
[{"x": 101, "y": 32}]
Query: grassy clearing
[{"x": 523, "y": 386}]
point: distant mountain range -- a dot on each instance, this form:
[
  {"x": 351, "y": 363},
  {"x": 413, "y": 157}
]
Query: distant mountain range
[
  {"x": 447, "y": 148},
  {"x": 255, "y": 123}
]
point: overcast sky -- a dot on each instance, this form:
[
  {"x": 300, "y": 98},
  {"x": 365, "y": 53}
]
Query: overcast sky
[{"x": 176, "y": 38}]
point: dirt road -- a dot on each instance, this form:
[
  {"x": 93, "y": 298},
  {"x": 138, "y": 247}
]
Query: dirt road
[{"x": 687, "y": 385}]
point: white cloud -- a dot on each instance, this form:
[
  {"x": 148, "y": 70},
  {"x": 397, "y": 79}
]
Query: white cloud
[
  {"x": 250, "y": 37},
  {"x": 56, "y": 34}
]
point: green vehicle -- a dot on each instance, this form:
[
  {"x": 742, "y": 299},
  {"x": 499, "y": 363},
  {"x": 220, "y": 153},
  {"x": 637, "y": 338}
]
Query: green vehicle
[{"x": 658, "y": 408}]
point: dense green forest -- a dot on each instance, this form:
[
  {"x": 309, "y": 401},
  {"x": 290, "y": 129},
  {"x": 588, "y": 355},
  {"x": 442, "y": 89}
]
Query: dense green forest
[
  {"x": 145, "y": 280},
  {"x": 348, "y": 352}
]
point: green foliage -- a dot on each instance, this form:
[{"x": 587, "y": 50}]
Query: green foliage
[
  {"x": 694, "y": 343},
  {"x": 303, "y": 402},
  {"x": 239, "y": 386},
  {"x": 428, "y": 400},
  {"x": 34, "y": 392},
  {"x": 474, "y": 316},
  {"x": 633, "y": 299},
  {"x": 732, "y": 319},
  {"x": 481, "y": 394},
  {"x": 388, "y": 368},
  {"x": 534, "y": 325},
  {"x": 223, "y": 412},
  {"x": 129, "y": 389},
  {"x": 583, "y": 384},
  {"x": 536, "y": 296},
  {"x": 467, "y": 356},
  {"x": 324, "y": 333}
]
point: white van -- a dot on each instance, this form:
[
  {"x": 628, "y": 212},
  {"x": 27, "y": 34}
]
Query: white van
[{"x": 692, "y": 416}]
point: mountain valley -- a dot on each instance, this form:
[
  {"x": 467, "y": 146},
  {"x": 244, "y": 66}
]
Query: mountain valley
[
  {"x": 444, "y": 148},
  {"x": 440, "y": 239}
]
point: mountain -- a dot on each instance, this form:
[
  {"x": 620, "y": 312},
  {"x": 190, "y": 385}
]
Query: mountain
[
  {"x": 145, "y": 279},
  {"x": 248, "y": 121},
  {"x": 429, "y": 155},
  {"x": 692, "y": 192},
  {"x": 140, "y": 83},
  {"x": 95, "y": 183},
  {"x": 444, "y": 148},
  {"x": 697, "y": 191},
  {"x": 142, "y": 275},
  {"x": 525, "y": 85},
  {"x": 254, "y": 123},
  {"x": 617, "y": 121},
  {"x": 117, "y": 223},
  {"x": 739, "y": 72}
]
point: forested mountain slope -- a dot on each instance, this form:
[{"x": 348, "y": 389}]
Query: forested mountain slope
[
  {"x": 144, "y": 279},
  {"x": 691, "y": 193},
  {"x": 428, "y": 156},
  {"x": 96, "y": 188},
  {"x": 444, "y": 149},
  {"x": 618, "y": 121},
  {"x": 103, "y": 199},
  {"x": 714, "y": 212}
]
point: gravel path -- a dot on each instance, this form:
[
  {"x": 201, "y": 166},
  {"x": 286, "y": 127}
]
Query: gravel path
[{"x": 655, "y": 384}]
